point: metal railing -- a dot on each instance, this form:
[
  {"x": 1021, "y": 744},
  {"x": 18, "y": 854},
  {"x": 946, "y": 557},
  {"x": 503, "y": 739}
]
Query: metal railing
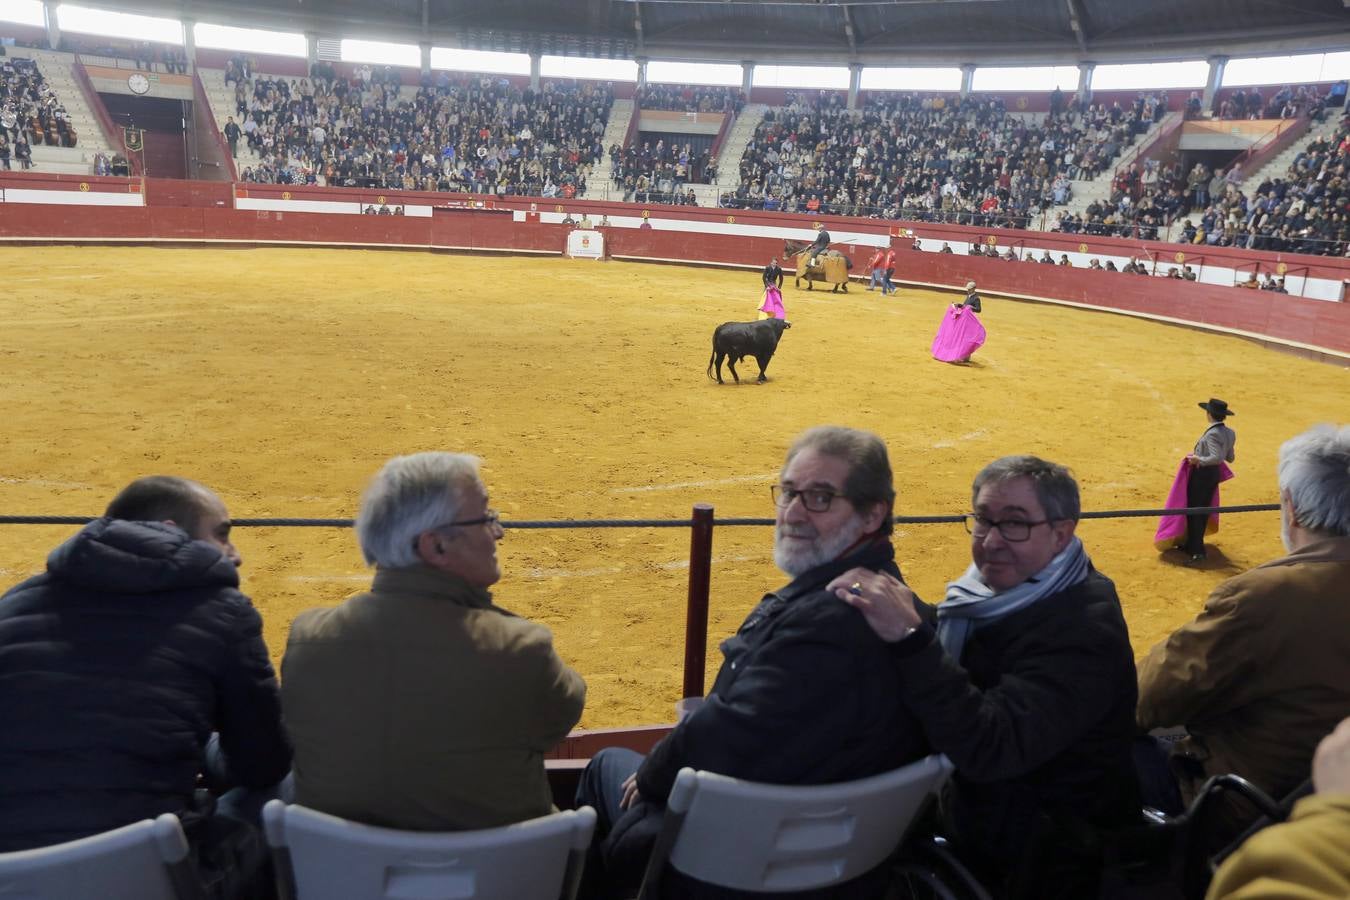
[{"x": 701, "y": 525}]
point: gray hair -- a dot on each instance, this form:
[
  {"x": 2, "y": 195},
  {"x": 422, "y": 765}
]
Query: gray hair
[
  {"x": 1315, "y": 472},
  {"x": 869, "y": 467},
  {"x": 1054, "y": 484},
  {"x": 410, "y": 495}
]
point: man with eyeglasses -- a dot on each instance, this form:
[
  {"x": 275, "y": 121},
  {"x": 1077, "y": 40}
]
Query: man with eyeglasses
[
  {"x": 420, "y": 704},
  {"x": 1027, "y": 684},
  {"x": 806, "y": 692}
]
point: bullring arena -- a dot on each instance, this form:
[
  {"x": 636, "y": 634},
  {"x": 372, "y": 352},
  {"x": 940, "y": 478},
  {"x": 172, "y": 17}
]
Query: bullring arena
[{"x": 283, "y": 378}]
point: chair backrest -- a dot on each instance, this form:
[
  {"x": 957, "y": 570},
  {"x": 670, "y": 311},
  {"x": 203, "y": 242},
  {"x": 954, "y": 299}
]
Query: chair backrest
[
  {"x": 147, "y": 860},
  {"x": 785, "y": 838},
  {"x": 323, "y": 857}
]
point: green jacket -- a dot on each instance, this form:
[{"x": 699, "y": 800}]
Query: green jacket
[{"x": 420, "y": 705}]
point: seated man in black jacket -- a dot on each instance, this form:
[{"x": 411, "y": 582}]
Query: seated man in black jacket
[
  {"x": 1027, "y": 684},
  {"x": 806, "y": 693},
  {"x": 132, "y": 665}
]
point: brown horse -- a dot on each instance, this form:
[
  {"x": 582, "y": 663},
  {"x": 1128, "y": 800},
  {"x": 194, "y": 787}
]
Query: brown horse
[{"x": 831, "y": 267}]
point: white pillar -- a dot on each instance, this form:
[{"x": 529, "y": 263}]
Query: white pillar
[
  {"x": 190, "y": 44},
  {"x": 1085, "y": 70},
  {"x": 312, "y": 48},
  {"x": 854, "y": 83},
  {"x": 53, "y": 31},
  {"x": 425, "y": 48},
  {"x": 536, "y": 66},
  {"x": 967, "y": 78},
  {"x": 747, "y": 78},
  {"x": 642, "y": 71},
  {"x": 1214, "y": 81}
]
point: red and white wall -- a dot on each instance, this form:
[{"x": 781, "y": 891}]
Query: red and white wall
[{"x": 37, "y": 208}]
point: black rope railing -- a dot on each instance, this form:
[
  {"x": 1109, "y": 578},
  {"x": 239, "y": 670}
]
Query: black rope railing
[{"x": 662, "y": 523}]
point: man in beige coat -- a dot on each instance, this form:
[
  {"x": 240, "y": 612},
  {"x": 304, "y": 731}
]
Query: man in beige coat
[
  {"x": 1264, "y": 671},
  {"x": 420, "y": 704}
]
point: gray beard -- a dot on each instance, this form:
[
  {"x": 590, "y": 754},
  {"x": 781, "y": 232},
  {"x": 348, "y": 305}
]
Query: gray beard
[{"x": 798, "y": 561}]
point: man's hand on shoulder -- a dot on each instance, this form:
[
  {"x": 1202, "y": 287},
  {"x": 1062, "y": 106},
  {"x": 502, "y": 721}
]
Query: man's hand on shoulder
[{"x": 888, "y": 606}]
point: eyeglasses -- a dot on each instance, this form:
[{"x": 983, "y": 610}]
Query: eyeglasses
[
  {"x": 1013, "y": 530},
  {"x": 814, "y": 499},
  {"x": 491, "y": 518}
]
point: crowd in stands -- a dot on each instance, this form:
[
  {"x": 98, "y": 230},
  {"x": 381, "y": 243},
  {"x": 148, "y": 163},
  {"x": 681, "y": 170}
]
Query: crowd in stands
[
  {"x": 135, "y": 681},
  {"x": 452, "y": 133},
  {"x": 907, "y": 156},
  {"x": 1135, "y": 266},
  {"x": 689, "y": 98},
  {"x": 1287, "y": 103},
  {"x": 1305, "y": 211},
  {"x": 30, "y": 113},
  {"x": 659, "y": 174}
]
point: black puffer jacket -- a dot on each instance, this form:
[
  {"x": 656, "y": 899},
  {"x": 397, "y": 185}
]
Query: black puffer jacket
[{"x": 115, "y": 667}]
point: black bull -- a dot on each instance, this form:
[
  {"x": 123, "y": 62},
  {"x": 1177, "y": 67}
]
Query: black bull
[{"x": 734, "y": 341}]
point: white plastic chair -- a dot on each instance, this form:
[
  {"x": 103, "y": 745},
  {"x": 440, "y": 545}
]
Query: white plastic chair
[
  {"x": 323, "y": 857},
  {"x": 147, "y": 860},
  {"x": 785, "y": 838}
]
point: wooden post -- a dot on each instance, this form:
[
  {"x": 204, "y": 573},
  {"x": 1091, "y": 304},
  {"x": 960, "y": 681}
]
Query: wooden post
[{"x": 696, "y": 610}]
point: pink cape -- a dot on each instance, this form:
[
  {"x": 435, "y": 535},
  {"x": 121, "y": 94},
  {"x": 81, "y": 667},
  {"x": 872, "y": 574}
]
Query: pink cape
[
  {"x": 773, "y": 303},
  {"x": 959, "y": 335},
  {"x": 1172, "y": 529}
]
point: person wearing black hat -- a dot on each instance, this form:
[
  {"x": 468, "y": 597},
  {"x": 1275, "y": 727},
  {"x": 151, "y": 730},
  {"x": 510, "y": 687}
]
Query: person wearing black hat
[{"x": 1214, "y": 448}]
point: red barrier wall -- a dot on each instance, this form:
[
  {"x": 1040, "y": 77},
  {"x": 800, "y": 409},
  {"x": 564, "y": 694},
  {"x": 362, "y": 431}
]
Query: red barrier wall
[{"x": 198, "y": 211}]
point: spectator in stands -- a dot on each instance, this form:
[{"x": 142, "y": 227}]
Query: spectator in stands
[
  {"x": 472, "y": 133},
  {"x": 806, "y": 693},
  {"x": 1304, "y": 857},
  {"x": 1264, "y": 671},
  {"x": 421, "y": 704},
  {"x": 232, "y": 135},
  {"x": 4, "y": 152},
  {"x": 128, "y": 668},
  {"x": 1027, "y": 683},
  {"x": 964, "y": 161},
  {"x": 37, "y": 111}
]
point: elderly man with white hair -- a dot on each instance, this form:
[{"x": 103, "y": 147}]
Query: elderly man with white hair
[
  {"x": 420, "y": 704},
  {"x": 1263, "y": 673}
]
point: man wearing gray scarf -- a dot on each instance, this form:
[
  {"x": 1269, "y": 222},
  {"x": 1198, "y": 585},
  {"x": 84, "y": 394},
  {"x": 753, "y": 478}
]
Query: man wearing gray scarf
[{"x": 1027, "y": 684}]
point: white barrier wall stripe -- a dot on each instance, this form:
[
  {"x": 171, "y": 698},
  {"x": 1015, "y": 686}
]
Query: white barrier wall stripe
[
  {"x": 341, "y": 207},
  {"x": 73, "y": 198}
]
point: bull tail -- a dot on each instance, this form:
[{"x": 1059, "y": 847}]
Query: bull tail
[{"x": 712, "y": 357}]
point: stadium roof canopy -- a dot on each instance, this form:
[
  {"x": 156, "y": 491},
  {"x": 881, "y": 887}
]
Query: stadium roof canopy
[{"x": 875, "y": 32}]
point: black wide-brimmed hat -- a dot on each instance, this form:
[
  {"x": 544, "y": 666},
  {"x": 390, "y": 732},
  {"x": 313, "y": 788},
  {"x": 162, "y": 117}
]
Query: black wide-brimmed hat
[{"x": 1217, "y": 408}]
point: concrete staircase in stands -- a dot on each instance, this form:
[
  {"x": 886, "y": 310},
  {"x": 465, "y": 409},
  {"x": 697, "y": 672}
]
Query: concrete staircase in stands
[
  {"x": 1278, "y": 167},
  {"x": 57, "y": 71},
  {"x": 1099, "y": 188}
]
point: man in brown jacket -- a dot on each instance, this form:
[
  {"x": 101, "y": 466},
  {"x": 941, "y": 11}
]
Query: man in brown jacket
[
  {"x": 1264, "y": 671},
  {"x": 420, "y": 704}
]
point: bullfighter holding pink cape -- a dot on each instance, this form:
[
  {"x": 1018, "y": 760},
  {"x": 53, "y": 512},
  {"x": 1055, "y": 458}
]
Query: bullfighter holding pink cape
[
  {"x": 772, "y": 307},
  {"x": 1197, "y": 484},
  {"x": 1171, "y": 533},
  {"x": 960, "y": 333}
]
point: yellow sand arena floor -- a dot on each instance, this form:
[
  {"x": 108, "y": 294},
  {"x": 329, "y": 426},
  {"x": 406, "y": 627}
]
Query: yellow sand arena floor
[{"x": 284, "y": 378}]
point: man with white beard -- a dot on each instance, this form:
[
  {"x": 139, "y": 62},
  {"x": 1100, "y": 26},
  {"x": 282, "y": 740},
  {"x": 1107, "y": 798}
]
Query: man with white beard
[
  {"x": 806, "y": 693},
  {"x": 1263, "y": 673}
]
